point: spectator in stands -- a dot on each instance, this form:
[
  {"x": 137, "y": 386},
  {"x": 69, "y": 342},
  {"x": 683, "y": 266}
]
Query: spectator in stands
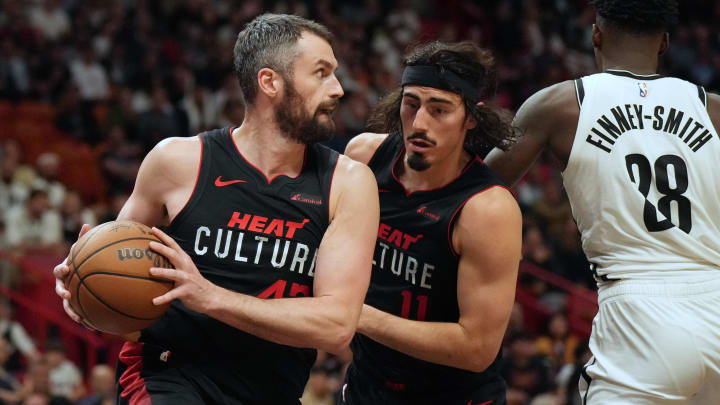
[
  {"x": 34, "y": 224},
  {"x": 535, "y": 249},
  {"x": 524, "y": 369},
  {"x": 568, "y": 376},
  {"x": 47, "y": 169},
  {"x": 20, "y": 344},
  {"x": 102, "y": 386},
  {"x": 37, "y": 380},
  {"x": 65, "y": 378},
  {"x": 10, "y": 391},
  {"x": 74, "y": 215},
  {"x": 49, "y": 78},
  {"x": 159, "y": 122},
  {"x": 89, "y": 76},
  {"x": 49, "y": 19},
  {"x": 72, "y": 118},
  {"x": 232, "y": 114},
  {"x": 116, "y": 201},
  {"x": 516, "y": 325},
  {"x": 200, "y": 109},
  {"x": 553, "y": 208},
  {"x": 120, "y": 160},
  {"x": 558, "y": 343},
  {"x": 570, "y": 260},
  {"x": 15, "y": 178},
  {"x": 14, "y": 75}
]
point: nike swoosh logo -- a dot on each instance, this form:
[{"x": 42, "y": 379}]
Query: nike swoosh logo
[{"x": 220, "y": 183}]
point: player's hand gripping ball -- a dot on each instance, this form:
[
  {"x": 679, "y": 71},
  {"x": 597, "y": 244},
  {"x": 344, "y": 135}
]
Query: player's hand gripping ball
[{"x": 110, "y": 282}]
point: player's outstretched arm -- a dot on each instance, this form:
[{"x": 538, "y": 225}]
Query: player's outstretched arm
[
  {"x": 170, "y": 167},
  {"x": 327, "y": 320},
  {"x": 547, "y": 119},
  {"x": 487, "y": 275}
]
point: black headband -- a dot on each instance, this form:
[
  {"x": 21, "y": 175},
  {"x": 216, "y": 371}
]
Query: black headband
[{"x": 439, "y": 78}]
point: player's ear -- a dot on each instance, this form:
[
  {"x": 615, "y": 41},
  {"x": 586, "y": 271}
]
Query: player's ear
[
  {"x": 596, "y": 37},
  {"x": 269, "y": 82},
  {"x": 664, "y": 44}
]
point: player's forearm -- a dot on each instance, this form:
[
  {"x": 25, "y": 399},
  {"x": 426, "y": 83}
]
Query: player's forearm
[
  {"x": 444, "y": 343},
  {"x": 325, "y": 323}
]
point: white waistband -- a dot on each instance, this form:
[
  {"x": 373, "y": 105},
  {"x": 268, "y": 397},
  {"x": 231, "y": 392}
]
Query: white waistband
[{"x": 660, "y": 288}]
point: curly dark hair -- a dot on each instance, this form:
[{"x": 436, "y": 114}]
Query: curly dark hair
[
  {"x": 639, "y": 16},
  {"x": 471, "y": 63}
]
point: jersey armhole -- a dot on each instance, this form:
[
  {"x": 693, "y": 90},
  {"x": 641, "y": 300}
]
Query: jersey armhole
[
  {"x": 579, "y": 91},
  {"x": 198, "y": 184},
  {"x": 330, "y": 187},
  {"x": 702, "y": 95}
]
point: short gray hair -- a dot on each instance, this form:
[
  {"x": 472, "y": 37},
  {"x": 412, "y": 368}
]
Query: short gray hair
[{"x": 267, "y": 42}]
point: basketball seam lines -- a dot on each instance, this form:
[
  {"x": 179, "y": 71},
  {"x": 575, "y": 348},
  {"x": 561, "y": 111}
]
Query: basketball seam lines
[
  {"x": 75, "y": 268},
  {"x": 80, "y": 248},
  {"x": 127, "y": 275},
  {"x": 74, "y": 273},
  {"x": 81, "y": 280},
  {"x": 110, "y": 307}
]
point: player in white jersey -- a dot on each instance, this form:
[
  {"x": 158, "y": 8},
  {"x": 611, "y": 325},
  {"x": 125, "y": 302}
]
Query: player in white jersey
[{"x": 641, "y": 163}]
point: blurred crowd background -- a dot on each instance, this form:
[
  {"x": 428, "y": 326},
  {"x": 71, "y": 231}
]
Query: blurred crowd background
[{"x": 87, "y": 87}]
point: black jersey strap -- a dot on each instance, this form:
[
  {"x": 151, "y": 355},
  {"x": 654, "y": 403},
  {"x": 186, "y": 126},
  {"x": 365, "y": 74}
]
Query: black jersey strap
[
  {"x": 579, "y": 91},
  {"x": 702, "y": 95}
]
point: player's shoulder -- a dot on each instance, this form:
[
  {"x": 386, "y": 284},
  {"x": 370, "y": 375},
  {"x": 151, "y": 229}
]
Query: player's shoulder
[
  {"x": 178, "y": 144},
  {"x": 556, "y": 104},
  {"x": 176, "y": 156},
  {"x": 494, "y": 205},
  {"x": 349, "y": 170},
  {"x": 551, "y": 96},
  {"x": 362, "y": 147},
  {"x": 494, "y": 210}
]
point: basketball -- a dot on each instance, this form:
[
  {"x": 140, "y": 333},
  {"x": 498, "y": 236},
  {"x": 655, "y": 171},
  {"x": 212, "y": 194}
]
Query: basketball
[{"x": 110, "y": 282}]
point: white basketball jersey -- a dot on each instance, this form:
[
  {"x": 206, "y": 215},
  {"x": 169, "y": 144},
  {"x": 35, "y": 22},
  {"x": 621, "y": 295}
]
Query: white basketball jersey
[{"x": 643, "y": 177}]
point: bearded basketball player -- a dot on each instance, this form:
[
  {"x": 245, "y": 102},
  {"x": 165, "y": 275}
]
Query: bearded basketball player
[{"x": 260, "y": 211}]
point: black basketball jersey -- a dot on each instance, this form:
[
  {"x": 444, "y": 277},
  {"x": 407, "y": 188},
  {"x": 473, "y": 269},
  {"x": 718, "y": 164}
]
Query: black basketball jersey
[
  {"x": 255, "y": 236},
  {"x": 415, "y": 272}
]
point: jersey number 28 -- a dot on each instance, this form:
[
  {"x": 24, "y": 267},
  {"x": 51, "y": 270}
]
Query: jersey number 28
[{"x": 662, "y": 182}]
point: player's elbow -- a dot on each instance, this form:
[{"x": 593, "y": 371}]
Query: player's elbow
[
  {"x": 340, "y": 337},
  {"x": 479, "y": 360}
]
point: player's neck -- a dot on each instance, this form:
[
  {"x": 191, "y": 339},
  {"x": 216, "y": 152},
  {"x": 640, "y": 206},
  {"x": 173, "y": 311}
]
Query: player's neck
[
  {"x": 436, "y": 176},
  {"x": 640, "y": 64},
  {"x": 263, "y": 144}
]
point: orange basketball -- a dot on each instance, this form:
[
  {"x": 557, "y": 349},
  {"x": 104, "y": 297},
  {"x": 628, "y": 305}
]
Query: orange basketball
[{"x": 110, "y": 283}]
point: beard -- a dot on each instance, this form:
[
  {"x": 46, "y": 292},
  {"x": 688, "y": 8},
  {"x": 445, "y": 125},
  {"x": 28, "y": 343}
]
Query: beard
[
  {"x": 297, "y": 124},
  {"x": 415, "y": 160}
]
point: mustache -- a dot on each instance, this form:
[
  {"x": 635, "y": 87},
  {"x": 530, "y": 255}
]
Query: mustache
[
  {"x": 327, "y": 106},
  {"x": 421, "y": 136}
]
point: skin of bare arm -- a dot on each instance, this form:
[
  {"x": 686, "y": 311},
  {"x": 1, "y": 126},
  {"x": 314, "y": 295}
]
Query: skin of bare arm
[
  {"x": 163, "y": 185},
  {"x": 547, "y": 121},
  {"x": 487, "y": 275}
]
